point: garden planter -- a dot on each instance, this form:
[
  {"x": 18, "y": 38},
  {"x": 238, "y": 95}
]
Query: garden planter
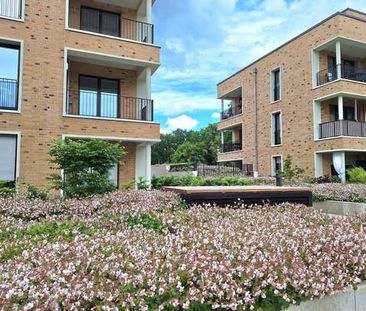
[
  {"x": 340, "y": 208},
  {"x": 346, "y": 300}
]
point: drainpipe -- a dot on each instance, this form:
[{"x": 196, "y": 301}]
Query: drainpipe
[{"x": 256, "y": 172}]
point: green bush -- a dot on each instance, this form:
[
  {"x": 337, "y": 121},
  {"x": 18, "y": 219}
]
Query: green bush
[
  {"x": 34, "y": 192},
  {"x": 7, "y": 188},
  {"x": 86, "y": 165},
  {"x": 357, "y": 175},
  {"x": 142, "y": 184},
  {"x": 291, "y": 173},
  {"x": 191, "y": 180}
]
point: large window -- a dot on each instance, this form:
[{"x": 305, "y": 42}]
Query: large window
[
  {"x": 100, "y": 21},
  {"x": 276, "y": 85},
  {"x": 9, "y": 76},
  {"x": 11, "y": 8},
  {"x": 276, "y": 129},
  {"x": 8, "y": 157},
  {"x": 98, "y": 97}
]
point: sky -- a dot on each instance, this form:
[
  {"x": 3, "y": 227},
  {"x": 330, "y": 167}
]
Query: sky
[{"x": 205, "y": 41}]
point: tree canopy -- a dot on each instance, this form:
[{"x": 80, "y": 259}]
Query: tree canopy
[{"x": 183, "y": 146}]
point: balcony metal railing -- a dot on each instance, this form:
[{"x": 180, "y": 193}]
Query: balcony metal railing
[
  {"x": 331, "y": 74},
  {"x": 137, "y": 31},
  {"x": 109, "y": 105},
  {"x": 8, "y": 94},
  {"x": 11, "y": 8},
  {"x": 342, "y": 128},
  {"x": 230, "y": 147},
  {"x": 231, "y": 112},
  {"x": 326, "y": 75}
]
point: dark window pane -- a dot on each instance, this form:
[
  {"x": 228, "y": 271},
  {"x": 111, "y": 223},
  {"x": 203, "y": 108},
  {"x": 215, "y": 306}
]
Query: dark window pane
[
  {"x": 277, "y": 128},
  {"x": 9, "y": 71},
  {"x": 276, "y": 85},
  {"x": 110, "y": 24},
  {"x": 89, "y": 20}
]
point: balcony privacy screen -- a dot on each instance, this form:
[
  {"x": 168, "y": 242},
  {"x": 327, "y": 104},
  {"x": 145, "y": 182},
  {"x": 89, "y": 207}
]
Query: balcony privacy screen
[
  {"x": 11, "y": 8},
  {"x": 8, "y": 147}
]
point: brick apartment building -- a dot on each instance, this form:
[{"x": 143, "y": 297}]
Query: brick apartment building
[
  {"x": 75, "y": 69},
  {"x": 306, "y": 99}
]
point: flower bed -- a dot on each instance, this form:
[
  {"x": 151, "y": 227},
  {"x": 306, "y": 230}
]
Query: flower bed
[
  {"x": 144, "y": 250},
  {"x": 340, "y": 192}
]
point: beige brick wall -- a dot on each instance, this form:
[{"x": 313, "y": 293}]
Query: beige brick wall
[
  {"x": 41, "y": 119},
  {"x": 296, "y": 105}
]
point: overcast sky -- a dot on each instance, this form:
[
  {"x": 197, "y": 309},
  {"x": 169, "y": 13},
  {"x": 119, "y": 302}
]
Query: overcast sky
[{"x": 205, "y": 41}]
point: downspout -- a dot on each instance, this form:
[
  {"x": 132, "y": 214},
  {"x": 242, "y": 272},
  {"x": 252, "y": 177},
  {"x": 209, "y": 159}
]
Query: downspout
[{"x": 256, "y": 171}]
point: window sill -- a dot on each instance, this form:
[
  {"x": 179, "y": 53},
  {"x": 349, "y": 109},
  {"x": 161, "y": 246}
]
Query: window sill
[
  {"x": 276, "y": 101},
  {"x": 9, "y": 111},
  {"x": 13, "y": 19}
]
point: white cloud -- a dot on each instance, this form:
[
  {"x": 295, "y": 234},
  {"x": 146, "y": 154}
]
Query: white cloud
[
  {"x": 172, "y": 102},
  {"x": 175, "y": 45},
  {"x": 215, "y": 115},
  {"x": 182, "y": 122}
]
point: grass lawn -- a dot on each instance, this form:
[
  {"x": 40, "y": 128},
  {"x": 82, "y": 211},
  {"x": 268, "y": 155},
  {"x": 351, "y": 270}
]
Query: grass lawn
[{"x": 147, "y": 251}]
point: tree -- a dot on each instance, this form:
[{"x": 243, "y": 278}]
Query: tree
[
  {"x": 189, "y": 153},
  {"x": 86, "y": 165},
  {"x": 208, "y": 138}
]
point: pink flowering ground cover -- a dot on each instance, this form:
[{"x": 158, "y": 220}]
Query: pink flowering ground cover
[
  {"x": 147, "y": 251},
  {"x": 340, "y": 192}
]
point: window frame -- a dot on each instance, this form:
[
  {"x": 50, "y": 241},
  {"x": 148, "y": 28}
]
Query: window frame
[
  {"x": 273, "y": 85},
  {"x": 16, "y": 45},
  {"x": 17, "y": 136},
  {"x": 100, "y": 12},
  {"x": 99, "y": 79},
  {"x": 273, "y": 130}
]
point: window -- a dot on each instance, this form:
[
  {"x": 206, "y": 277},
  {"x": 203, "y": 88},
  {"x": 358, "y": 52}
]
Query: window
[
  {"x": 11, "y": 8},
  {"x": 276, "y": 85},
  {"x": 98, "y": 97},
  {"x": 348, "y": 113},
  {"x": 276, "y": 165},
  {"x": 9, "y": 76},
  {"x": 8, "y": 157},
  {"x": 276, "y": 129},
  {"x": 100, "y": 21}
]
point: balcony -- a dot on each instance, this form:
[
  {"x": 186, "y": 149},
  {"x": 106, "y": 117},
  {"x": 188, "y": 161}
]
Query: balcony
[
  {"x": 231, "y": 112},
  {"x": 108, "y": 105},
  {"x": 340, "y": 59},
  {"x": 11, "y": 9},
  {"x": 8, "y": 94},
  {"x": 112, "y": 20},
  {"x": 231, "y": 147},
  {"x": 342, "y": 128}
]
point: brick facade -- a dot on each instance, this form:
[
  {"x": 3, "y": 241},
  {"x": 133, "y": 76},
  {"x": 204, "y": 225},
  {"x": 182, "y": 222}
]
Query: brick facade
[{"x": 41, "y": 117}]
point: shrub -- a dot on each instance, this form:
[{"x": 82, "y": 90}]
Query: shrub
[
  {"x": 34, "y": 192},
  {"x": 86, "y": 165},
  {"x": 357, "y": 175},
  {"x": 142, "y": 184},
  {"x": 129, "y": 185},
  {"x": 290, "y": 173},
  {"x": 7, "y": 188}
]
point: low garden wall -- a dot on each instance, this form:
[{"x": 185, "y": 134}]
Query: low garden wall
[
  {"x": 340, "y": 208},
  {"x": 346, "y": 300}
]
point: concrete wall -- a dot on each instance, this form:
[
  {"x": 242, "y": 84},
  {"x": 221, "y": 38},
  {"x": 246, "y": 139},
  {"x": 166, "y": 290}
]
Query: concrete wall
[{"x": 348, "y": 300}]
